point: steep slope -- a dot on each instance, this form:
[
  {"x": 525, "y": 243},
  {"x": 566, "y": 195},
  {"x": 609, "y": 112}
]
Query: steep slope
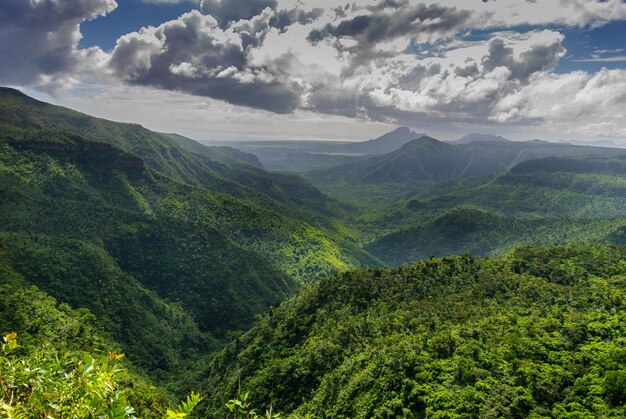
[
  {"x": 426, "y": 161},
  {"x": 219, "y": 169},
  {"x": 223, "y": 184},
  {"x": 536, "y": 333},
  {"x": 78, "y": 227}
]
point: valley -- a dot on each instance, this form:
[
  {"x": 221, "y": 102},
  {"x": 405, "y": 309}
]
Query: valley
[
  {"x": 275, "y": 269},
  {"x": 301, "y": 209}
]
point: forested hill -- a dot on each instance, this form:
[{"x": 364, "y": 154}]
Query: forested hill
[
  {"x": 556, "y": 199},
  {"x": 156, "y": 235},
  {"x": 538, "y": 332}
]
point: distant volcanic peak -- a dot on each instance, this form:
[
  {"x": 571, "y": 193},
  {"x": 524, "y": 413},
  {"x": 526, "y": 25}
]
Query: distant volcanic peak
[
  {"x": 476, "y": 137},
  {"x": 403, "y": 130},
  {"x": 386, "y": 143}
]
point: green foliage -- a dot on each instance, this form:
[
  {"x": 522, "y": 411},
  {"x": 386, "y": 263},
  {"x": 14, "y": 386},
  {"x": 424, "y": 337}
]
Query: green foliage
[
  {"x": 239, "y": 407},
  {"x": 51, "y": 331},
  {"x": 480, "y": 232},
  {"x": 83, "y": 275},
  {"x": 166, "y": 246},
  {"x": 185, "y": 407},
  {"x": 537, "y": 202},
  {"x": 46, "y": 383},
  {"x": 538, "y": 332}
]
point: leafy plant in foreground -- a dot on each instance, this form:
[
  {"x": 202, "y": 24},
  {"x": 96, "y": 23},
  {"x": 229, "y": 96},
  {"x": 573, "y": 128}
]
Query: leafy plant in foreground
[
  {"x": 46, "y": 383},
  {"x": 50, "y": 383}
]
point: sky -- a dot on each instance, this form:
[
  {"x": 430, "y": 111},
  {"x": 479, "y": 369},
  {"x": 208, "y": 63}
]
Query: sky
[{"x": 321, "y": 69}]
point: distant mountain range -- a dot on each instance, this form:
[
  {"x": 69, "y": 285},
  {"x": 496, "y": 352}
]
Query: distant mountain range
[{"x": 425, "y": 161}]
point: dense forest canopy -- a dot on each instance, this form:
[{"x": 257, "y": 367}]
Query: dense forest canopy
[{"x": 137, "y": 267}]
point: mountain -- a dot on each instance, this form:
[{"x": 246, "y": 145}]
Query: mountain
[
  {"x": 170, "y": 244},
  {"x": 384, "y": 144},
  {"x": 220, "y": 169},
  {"x": 535, "y": 333},
  {"x": 424, "y": 162},
  {"x": 482, "y": 138},
  {"x": 298, "y": 157},
  {"x": 211, "y": 273}
]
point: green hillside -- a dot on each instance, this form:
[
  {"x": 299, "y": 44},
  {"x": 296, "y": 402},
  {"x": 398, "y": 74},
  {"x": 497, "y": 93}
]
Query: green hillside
[
  {"x": 541, "y": 201},
  {"x": 583, "y": 186},
  {"x": 538, "y": 332},
  {"x": 155, "y": 234},
  {"x": 219, "y": 169},
  {"x": 478, "y": 232}
]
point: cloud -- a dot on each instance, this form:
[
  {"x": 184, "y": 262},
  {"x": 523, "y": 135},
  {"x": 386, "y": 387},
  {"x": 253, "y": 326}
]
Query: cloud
[
  {"x": 170, "y": 1},
  {"x": 572, "y": 102},
  {"x": 615, "y": 59},
  {"x": 512, "y": 13},
  {"x": 416, "y": 62},
  {"x": 195, "y": 55},
  {"x": 226, "y": 11},
  {"x": 381, "y": 25},
  {"x": 39, "y": 39},
  {"x": 540, "y": 57},
  {"x": 445, "y": 87},
  {"x": 356, "y": 61}
]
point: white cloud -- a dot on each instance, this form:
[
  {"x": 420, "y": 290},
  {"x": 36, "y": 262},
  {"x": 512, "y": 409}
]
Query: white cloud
[
  {"x": 577, "y": 101},
  {"x": 615, "y": 59}
]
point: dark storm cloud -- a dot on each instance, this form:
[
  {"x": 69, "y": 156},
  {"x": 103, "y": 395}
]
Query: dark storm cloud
[
  {"x": 382, "y": 26},
  {"x": 538, "y": 58},
  {"x": 194, "y": 55},
  {"x": 49, "y": 15},
  {"x": 38, "y": 40},
  {"x": 226, "y": 11},
  {"x": 286, "y": 18}
]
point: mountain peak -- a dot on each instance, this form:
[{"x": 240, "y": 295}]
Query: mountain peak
[
  {"x": 422, "y": 141},
  {"x": 386, "y": 143},
  {"x": 401, "y": 130},
  {"x": 482, "y": 138}
]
